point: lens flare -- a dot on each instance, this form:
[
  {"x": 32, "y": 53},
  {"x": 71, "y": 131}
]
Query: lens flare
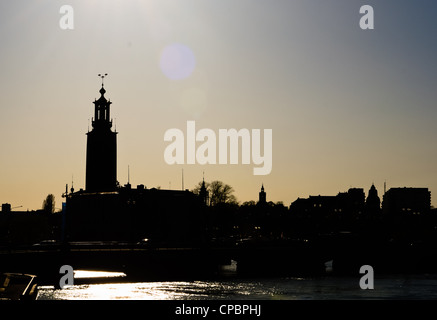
[{"x": 177, "y": 61}]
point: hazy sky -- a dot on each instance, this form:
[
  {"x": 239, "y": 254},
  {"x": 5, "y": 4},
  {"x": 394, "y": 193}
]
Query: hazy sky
[{"x": 348, "y": 107}]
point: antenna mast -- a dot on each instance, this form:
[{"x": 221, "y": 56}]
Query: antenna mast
[{"x": 182, "y": 179}]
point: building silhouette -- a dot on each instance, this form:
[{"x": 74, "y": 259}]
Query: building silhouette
[
  {"x": 25, "y": 227},
  {"x": 373, "y": 202},
  {"x": 352, "y": 201},
  {"x": 344, "y": 203},
  {"x": 6, "y": 207},
  {"x": 262, "y": 196},
  {"x": 406, "y": 201},
  {"x": 107, "y": 211},
  {"x": 101, "y": 152}
]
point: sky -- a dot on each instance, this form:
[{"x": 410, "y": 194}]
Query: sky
[{"x": 347, "y": 107}]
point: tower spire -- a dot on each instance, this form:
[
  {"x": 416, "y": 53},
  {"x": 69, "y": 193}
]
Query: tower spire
[
  {"x": 203, "y": 193},
  {"x": 203, "y": 180},
  {"x": 262, "y": 195},
  {"x": 102, "y": 109},
  {"x": 102, "y": 76}
]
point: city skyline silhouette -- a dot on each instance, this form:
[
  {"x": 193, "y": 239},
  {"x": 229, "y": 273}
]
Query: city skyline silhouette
[
  {"x": 347, "y": 107},
  {"x": 231, "y": 150}
]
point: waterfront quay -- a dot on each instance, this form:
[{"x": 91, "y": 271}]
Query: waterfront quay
[
  {"x": 148, "y": 262},
  {"x": 144, "y": 262}
]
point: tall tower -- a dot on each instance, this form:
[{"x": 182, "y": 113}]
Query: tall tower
[
  {"x": 101, "y": 154},
  {"x": 203, "y": 193},
  {"x": 373, "y": 202},
  {"x": 262, "y": 195}
]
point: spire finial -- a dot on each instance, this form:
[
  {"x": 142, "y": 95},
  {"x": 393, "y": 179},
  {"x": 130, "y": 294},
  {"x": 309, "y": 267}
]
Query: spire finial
[{"x": 102, "y": 76}]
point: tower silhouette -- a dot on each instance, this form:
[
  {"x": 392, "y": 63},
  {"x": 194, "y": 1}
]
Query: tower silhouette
[
  {"x": 203, "y": 193},
  {"x": 373, "y": 202},
  {"x": 262, "y": 195},
  {"x": 101, "y": 156}
]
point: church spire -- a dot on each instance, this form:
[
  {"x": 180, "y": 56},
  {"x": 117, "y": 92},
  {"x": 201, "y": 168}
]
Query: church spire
[
  {"x": 203, "y": 193},
  {"x": 262, "y": 195}
]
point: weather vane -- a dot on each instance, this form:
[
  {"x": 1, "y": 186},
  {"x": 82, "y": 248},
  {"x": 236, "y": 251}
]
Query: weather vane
[{"x": 102, "y": 76}]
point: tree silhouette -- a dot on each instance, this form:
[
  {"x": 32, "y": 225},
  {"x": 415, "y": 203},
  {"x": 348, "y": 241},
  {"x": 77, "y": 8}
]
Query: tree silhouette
[
  {"x": 48, "y": 204},
  {"x": 219, "y": 192}
]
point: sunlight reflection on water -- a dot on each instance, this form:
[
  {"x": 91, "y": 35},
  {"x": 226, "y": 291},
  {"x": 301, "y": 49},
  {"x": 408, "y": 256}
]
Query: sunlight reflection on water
[
  {"x": 391, "y": 287},
  {"x": 172, "y": 290}
]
